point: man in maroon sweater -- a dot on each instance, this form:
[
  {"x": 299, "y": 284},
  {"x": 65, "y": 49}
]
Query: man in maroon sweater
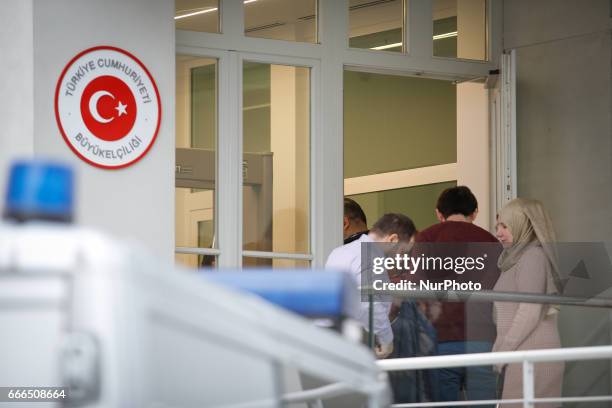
[{"x": 462, "y": 327}]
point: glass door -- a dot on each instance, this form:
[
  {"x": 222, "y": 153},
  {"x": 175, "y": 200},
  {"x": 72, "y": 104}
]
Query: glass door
[
  {"x": 249, "y": 125},
  {"x": 276, "y": 155},
  {"x": 195, "y": 166}
]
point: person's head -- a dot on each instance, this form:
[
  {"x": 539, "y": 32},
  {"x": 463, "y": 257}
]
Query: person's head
[
  {"x": 520, "y": 224},
  {"x": 503, "y": 233},
  {"x": 354, "y": 218},
  {"x": 393, "y": 228},
  {"x": 523, "y": 220},
  {"x": 457, "y": 204},
  {"x": 208, "y": 261}
]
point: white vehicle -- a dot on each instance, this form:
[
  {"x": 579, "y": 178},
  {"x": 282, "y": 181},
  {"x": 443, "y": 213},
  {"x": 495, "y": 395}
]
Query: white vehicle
[{"x": 101, "y": 317}]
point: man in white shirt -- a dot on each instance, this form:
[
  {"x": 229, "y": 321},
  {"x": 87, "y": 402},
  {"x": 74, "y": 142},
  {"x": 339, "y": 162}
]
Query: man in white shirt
[
  {"x": 390, "y": 228},
  {"x": 354, "y": 223}
]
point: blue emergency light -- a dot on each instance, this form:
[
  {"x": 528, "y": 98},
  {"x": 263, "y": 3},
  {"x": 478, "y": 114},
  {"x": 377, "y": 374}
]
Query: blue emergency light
[
  {"x": 306, "y": 292},
  {"x": 39, "y": 190}
]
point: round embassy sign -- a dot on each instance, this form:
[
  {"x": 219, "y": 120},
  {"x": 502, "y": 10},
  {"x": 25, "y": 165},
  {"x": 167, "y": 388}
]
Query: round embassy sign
[{"x": 107, "y": 107}]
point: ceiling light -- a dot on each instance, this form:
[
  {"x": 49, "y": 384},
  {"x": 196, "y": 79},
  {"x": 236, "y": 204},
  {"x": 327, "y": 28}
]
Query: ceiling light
[
  {"x": 204, "y": 11},
  {"x": 399, "y": 44},
  {"x": 385, "y": 47},
  {"x": 196, "y": 13},
  {"x": 445, "y": 35}
]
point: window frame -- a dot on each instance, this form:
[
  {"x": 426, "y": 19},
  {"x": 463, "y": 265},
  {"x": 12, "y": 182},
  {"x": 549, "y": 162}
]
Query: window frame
[{"x": 327, "y": 60}]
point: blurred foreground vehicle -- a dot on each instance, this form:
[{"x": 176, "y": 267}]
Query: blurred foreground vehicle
[{"x": 102, "y": 317}]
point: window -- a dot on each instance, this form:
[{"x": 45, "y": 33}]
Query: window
[
  {"x": 197, "y": 15},
  {"x": 417, "y": 202},
  {"x": 376, "y": 24},
  {"x": 413, "y": 121},
  {"x": 270, "y": 120},
  {"x": 414, "y": 124},
  {"x": 294, "y": 20},
  {"x": 460, "y": 29}
]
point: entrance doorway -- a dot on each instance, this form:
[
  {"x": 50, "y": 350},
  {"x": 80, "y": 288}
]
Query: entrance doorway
[
  {"x": 408, "y": 138},
  {"x": 222, "y": 46}
]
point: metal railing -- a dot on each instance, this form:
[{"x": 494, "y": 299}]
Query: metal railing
[
  {"x": 314, "y": 397},
  {"x": 491, "y": 296},
  {"x": 374, "y": 395},
  {"x": 527, "y": 358},
  {"x": 479, "y": 296}
]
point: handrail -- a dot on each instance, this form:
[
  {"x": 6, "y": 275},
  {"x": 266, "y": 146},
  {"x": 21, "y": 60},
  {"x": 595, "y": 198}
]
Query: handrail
[
  {"x": 530, "y": 403},
  {"x": 498, "y": 357},
  {"x": 491, "y": 296},
  {"x": 526, "y": 357}
]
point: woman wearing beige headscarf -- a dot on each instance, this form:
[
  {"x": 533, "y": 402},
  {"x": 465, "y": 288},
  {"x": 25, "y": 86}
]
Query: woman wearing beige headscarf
[{"x": 528, "y": 265}]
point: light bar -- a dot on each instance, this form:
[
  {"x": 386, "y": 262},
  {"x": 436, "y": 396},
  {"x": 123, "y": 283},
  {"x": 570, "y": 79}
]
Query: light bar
[
  {"x": 210, "y": 10},
  {"x": 445, "y": 35},
  {"x": 385, "y": 47},
  {"x": 399, "y": 44},
  {"x": 196, "y": 13}
]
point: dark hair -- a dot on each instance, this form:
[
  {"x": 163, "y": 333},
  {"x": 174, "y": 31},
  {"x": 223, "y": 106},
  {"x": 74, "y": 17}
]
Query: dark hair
[
  {"x": 457, "y": 200},
  {"x": 353, "y": 211},
  {"x": 395, "y": 224},
  {"x": 208, "y": 261}
]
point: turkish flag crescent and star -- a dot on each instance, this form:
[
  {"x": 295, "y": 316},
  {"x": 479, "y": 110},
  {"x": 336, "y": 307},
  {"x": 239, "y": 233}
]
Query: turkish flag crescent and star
[{"x": 108, "y": 108}]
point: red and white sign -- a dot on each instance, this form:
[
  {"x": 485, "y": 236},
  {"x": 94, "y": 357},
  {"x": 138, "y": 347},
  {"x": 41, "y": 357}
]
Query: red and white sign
[{"x": 107, "y": 107}]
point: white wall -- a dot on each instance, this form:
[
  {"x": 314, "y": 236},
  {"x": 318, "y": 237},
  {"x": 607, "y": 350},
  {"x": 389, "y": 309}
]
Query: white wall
[
  {"x": 473, "y": 146},
  {"x": 137, "y": 201},
  {"x": 16, "y": 87},
  {"x": 564, "y": 141}
]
